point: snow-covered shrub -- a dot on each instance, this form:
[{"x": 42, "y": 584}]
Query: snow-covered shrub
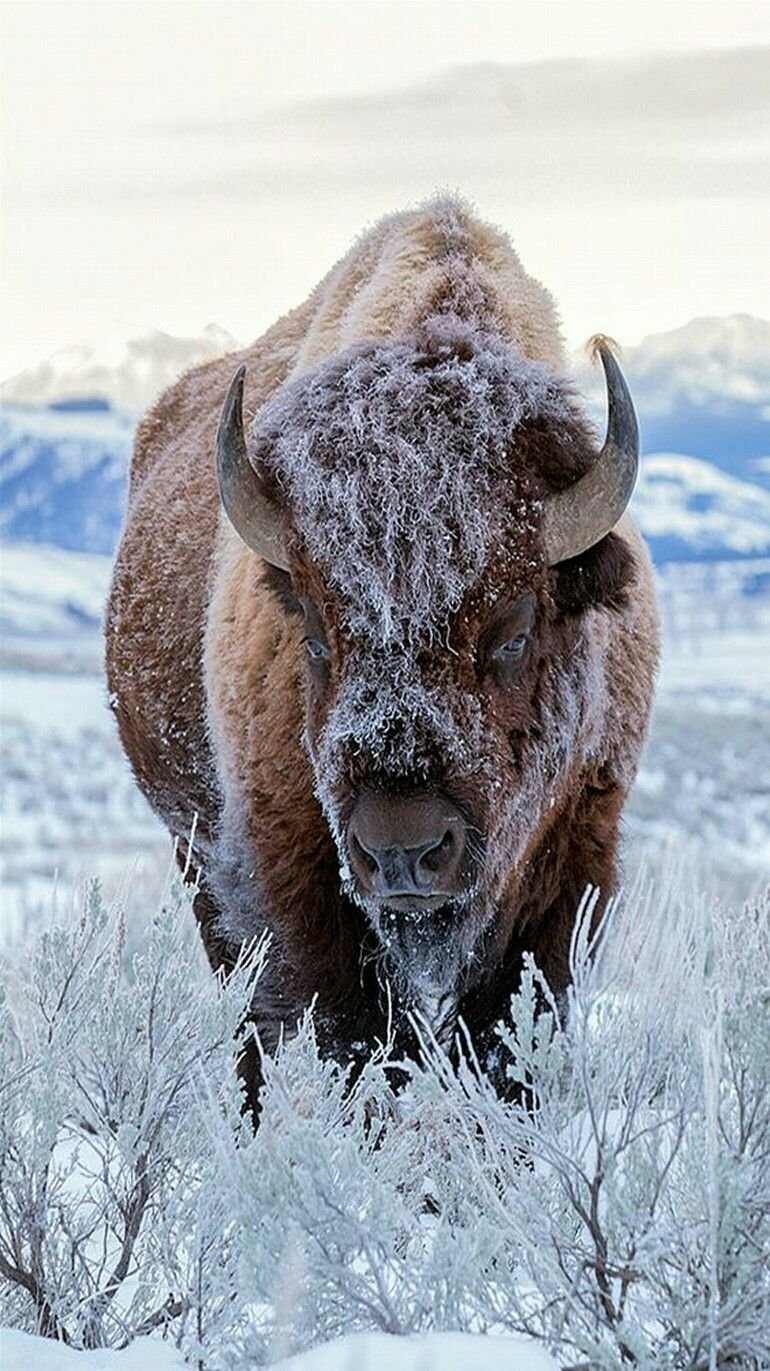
[
  {"x": 619, "y": 1212},
  {"x": 639, "y": 1228},
  {"x": 103, "y": 1164}
]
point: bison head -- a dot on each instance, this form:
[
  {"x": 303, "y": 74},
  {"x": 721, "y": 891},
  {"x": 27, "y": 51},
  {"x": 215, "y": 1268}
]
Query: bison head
[{"x": 436, "y": 510}]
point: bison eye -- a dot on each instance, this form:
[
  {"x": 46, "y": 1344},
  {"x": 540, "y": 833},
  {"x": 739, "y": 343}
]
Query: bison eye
[
  {"x": 316, "y": 650},
  {"x": 513, "y": 649}
]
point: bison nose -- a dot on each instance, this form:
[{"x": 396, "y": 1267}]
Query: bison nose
[{"x": 407, "y": 849}]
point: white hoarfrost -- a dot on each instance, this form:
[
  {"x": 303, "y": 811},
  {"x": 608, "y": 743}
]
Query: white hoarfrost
[
  {"x": 396, "y": 461},
  {"x": 615, "y": 1211}
]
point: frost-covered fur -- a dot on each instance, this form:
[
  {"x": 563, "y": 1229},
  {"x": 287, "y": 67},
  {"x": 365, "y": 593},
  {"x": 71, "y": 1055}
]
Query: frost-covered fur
[
  {"x": 396, "y": 462},
  {"x": 410, "y": 416}
]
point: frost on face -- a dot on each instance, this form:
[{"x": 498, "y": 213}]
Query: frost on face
[
  {"x": 387, "y": 725},
  {"x": 395, "y": 460},
  {"x": 397, "y": 463},
  {"x": 387, "y": 713},
  {"x": 410, "y": 498}
]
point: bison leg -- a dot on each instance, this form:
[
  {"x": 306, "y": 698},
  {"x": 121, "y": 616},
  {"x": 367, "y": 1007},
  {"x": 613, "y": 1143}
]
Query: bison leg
[{"x": 222, "y": 956}]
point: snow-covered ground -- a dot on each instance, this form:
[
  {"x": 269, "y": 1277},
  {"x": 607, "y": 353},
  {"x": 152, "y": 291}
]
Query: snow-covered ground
[
  {"x": 359, "y": 1352},
  {"x": 24, "y": 1352},
  {"x": 70, "y": 808}
]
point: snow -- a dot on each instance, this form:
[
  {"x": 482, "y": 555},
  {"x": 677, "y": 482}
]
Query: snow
[
  {"x": 359, "y": 1352},
  {"x": 433, "y": 1352},
  {"x": 718, "y": 662},
  {"x": 703, "y": 508},
  {"x": 128, "y": 373},
  {"x": 24, "y": 1352},
  {"x": 69, "y": 805},
  {"x": 62, "y": 704}
]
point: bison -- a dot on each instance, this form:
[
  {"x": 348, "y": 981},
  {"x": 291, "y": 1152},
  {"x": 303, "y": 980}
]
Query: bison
[{"x": 380, "y": 627}]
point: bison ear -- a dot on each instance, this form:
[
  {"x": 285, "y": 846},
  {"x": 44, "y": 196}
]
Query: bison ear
[
  {"x": 254, "y": 516},
  {"x": 598, "y": 578},
  {"x": 282, "y": 586}
]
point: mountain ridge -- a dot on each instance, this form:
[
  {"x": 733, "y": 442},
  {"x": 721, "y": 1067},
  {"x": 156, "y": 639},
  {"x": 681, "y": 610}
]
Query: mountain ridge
[
  {"x": 128, "y": 373},
  {"x": 702, "y": 392}
]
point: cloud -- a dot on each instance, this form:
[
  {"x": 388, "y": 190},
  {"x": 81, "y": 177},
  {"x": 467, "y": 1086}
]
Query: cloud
[
  {"x": 667, "y": 125},
  {"x": 663, "y": 127},
  {"x": 636, "y": 187}
]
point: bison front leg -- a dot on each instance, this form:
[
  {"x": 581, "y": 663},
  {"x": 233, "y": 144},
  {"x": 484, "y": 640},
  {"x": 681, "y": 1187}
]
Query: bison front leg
[{"x": 222, "y": 956}]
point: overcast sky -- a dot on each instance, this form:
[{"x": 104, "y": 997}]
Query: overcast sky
[{"x": 172, "y": 164}]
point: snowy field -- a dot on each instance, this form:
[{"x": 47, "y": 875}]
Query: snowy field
[{"x": 360, "y": 1352}]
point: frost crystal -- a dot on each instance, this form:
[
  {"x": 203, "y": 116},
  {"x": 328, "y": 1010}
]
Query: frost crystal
[{"x": 398, "y": 463}]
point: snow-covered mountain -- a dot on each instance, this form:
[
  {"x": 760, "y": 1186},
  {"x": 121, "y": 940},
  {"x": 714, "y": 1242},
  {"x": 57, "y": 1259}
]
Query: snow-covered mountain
[
  {"x": 703, "y": 389},
  {"x": 690, "y": 510},
  {"x": 714, "y": 363},
  {"x": 703, "y": 394},
  {"x": 128, "y": 375},
  {"x": 63, "y": 476},
  {"x": 47, "y": 592},
  {"x": 51, "y": 606}
]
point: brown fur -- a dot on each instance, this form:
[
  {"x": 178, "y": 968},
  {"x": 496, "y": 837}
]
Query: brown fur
[{"x": 207, "y": 672}]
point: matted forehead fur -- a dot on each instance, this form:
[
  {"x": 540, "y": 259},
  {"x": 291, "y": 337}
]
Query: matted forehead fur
[{"x": 399, "y": 464}]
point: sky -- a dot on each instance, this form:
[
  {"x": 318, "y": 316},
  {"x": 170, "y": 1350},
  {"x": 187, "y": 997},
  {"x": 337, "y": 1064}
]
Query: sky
[{"x": 169, "y": 165}]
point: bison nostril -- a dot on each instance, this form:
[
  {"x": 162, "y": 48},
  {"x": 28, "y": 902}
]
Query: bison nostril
[
  {"x": 370, "y": 863},
  {"x": 439, "y": 854}
]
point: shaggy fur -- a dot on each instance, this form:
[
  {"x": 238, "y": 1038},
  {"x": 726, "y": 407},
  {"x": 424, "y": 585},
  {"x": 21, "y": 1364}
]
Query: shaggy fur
[{"x": 411, "y": 417}]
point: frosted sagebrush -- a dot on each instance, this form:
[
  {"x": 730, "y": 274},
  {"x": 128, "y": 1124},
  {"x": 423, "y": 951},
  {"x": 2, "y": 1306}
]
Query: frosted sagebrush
[
  {"x": 619, "y": 1212},
  {"x": 101, "y": 1158}
]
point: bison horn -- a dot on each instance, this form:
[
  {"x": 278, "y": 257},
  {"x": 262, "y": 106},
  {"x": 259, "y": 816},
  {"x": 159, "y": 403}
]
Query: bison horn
[
  {"x": 578, "y": 517},
  {"x": 255, "y": 518}
]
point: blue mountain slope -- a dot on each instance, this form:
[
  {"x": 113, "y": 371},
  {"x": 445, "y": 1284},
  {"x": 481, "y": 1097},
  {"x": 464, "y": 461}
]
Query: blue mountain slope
[
  {"x": 63, "y": 475},
  {"x": 63, "y": 478},
  {"x": 704, "y": 390},
  {"x": 734, "y": 440},
  {"x": 703, "y": 395},
  {"x": 690, "y": 510}
]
